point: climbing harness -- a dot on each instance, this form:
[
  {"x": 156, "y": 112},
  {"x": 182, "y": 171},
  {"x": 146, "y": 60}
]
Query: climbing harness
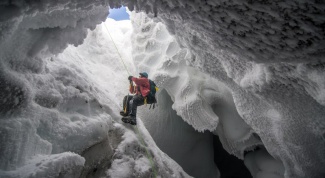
[{"x": 125, "y": 109}]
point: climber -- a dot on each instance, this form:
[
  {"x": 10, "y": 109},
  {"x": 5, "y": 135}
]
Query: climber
[{"x": 130, "y": 103}]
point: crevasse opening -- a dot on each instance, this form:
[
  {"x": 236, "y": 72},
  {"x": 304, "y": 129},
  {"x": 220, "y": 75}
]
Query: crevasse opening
[{"x": 248, "y": 72}]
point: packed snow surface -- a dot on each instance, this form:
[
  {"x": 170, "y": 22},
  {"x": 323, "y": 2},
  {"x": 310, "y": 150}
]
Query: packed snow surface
[{"x": 251, "y": 72}]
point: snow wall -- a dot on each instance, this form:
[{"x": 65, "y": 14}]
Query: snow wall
[
  {"x": 204, "y": 103},
  {"x": 268, "y": 57},
  {"x": 253, "y": 67},
  {"x": 59, "y": 111}
]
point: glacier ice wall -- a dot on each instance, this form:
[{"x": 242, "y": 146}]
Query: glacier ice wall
[
  {"x": 30, "y": 34},
  {"x": 192, "y": 150},
  {"x": 266, "y": 58},
  {"x": 58, "y": 114},
  {"x": 270, "y": 58},
  {"x": 201, "y": 101}
]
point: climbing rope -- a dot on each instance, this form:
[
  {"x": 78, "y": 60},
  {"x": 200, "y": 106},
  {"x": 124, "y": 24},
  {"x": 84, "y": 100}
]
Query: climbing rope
[
  {"x": 117, "y": 49},
  {"x": 125, "y": 109},
  {"x": 147, "y": 152}
]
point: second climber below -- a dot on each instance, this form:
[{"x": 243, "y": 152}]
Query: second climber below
[{"x": 141, "y": 91}]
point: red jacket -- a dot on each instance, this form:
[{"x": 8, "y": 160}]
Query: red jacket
[{"x": 142, "y": 84}]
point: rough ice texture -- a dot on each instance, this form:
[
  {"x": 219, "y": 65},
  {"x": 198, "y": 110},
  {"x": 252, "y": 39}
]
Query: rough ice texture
[
  {"x": 37, "y": 116},
  {"x": 192, "y": 150},
  {"x": 55, "y": 165},
  {"x": 138, "y": 156},
  {"x": 201, "y": 101},
  {"x": 51, "y": 104},
  {"x": 270, "y": 55},
  {"x": 262, "y": 31}
]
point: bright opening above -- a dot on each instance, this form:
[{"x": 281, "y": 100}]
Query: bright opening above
[{"x": 119, "y": 14}]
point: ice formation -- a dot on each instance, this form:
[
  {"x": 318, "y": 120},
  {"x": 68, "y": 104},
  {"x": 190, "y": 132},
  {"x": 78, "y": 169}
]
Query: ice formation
[
  {"x": 269, "y": 58},
  {"x": 251, "y": 72},
  {"x": 59, "y": 111}
]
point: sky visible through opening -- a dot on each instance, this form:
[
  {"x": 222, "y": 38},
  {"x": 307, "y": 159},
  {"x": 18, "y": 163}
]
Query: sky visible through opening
[{"x": 119, "y": 14}]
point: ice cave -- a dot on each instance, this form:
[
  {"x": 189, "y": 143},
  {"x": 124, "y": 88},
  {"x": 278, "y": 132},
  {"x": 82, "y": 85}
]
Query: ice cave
[{"x": 241, "y": 89}]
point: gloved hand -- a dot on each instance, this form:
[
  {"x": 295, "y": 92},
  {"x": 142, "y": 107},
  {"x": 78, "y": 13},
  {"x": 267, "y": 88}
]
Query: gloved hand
[{"x": 130, "y": 78}]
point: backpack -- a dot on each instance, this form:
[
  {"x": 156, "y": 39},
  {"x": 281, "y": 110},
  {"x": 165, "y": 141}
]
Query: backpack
[
  {"x": 153, "y": 88},
  {"x": 151, "y": 98}
]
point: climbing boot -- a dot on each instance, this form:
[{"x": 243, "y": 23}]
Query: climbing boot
[
  {"x": 130, "y": 119},
  {"x": 122, "y": 113},
  {"x": 133, "y": 121}
]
